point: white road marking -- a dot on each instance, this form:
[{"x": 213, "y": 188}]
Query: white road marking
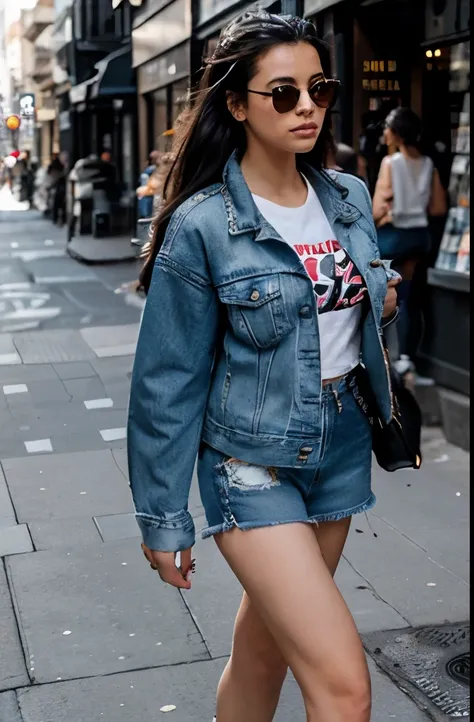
[
  {"x": 15, "y": 389},
  {"x": 113, "y": 434},
  {"x": 34, "y": 447},
  {"x": 98, "y": 404}
]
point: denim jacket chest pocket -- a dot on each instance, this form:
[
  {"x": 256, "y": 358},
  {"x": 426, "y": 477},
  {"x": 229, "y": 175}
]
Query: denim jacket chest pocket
[{"x": 257, "y": 310}]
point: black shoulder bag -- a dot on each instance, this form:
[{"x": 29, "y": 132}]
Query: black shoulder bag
[{"x": 396, "y": 445}]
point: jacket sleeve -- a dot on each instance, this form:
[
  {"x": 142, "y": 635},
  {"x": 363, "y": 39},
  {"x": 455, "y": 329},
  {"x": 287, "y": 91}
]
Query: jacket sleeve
[{"x": 170, "y": 385}]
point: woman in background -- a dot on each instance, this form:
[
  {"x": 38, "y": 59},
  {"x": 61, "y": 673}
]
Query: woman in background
[{"x": 408, "y": 191}]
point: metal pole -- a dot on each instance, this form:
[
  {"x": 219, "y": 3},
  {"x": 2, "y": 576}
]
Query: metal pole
[{"x": 292, "y": 7}]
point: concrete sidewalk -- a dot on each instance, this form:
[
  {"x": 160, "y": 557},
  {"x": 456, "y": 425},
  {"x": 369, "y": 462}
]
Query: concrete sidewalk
[{"x": 88, "y": 633}]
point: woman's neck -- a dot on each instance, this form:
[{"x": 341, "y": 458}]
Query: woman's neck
[
  {"x": 273, "y": 176},
  {"x": 409, "y": 151}
]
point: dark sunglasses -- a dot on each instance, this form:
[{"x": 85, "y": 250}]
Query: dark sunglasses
[{"x": 285, "y": 97}]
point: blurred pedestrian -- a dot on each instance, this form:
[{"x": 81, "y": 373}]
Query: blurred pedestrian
[
  {"x": 408, "y": 190},
  {"x": 248, "y": 358},
  {"x": 56, "y": 174},
  {"x": 144, "y": 194}
]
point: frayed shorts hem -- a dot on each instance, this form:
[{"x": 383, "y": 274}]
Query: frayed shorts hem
[{"x": 315, "y": 519}]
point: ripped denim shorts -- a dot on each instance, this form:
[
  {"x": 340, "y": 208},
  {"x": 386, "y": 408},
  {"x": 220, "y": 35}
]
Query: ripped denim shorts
[{"x": 235, "y": 493}]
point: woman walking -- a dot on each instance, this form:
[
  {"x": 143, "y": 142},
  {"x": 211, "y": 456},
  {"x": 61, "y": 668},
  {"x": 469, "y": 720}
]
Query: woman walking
[
  {"x": 265, "y": 292},
  {"x": 408, "y": 190}
]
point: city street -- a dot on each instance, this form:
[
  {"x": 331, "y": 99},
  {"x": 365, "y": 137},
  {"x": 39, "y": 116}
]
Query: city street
[{"x": 87, "y": 632}]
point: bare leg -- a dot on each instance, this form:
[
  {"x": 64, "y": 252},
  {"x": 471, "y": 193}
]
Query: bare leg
[{"x": 251, "y": 684}]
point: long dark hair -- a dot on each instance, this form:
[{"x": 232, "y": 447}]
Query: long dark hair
[
  {"x": 405, "y": 123},
  {"x": 210, "y": 134}
]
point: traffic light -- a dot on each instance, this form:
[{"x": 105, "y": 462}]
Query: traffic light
[{"x": 13, "y": 122}]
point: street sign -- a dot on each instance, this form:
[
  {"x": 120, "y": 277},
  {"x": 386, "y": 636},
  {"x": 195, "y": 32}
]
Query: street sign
[{"x": 27, "y": 105}]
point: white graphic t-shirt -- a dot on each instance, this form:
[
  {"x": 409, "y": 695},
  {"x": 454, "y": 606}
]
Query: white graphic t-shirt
[{"x": 337, "y": 283}]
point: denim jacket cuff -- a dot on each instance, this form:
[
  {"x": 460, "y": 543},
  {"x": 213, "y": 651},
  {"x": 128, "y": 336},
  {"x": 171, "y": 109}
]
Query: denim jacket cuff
[{"x": 174, "y": 533}]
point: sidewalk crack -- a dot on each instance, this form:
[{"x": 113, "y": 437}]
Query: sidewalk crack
[
  {"x": 371, "y": 587},
  {"x": 17, "y": 618},
  {"x": 196, "y": 624}
]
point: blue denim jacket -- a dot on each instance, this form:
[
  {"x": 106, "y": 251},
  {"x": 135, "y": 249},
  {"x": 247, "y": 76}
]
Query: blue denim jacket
[{"x": 228, "y": 350}]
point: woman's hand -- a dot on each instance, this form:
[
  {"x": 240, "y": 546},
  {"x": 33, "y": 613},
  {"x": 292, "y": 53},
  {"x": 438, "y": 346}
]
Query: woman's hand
[
  {"x": 164, "y": 564},
  {"x": 390, "y": 305}
]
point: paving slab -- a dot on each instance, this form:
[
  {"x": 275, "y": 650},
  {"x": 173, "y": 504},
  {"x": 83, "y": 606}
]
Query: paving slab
[
  {"x": 115, "y": 527},
  {"x": 15, "y": 539},
  {"x": 404, "y": 576},
  {"x": 74, "y": 370},
  {"x": 47, "y": 393},
  {"x": 191, "y": 688},
  {"x": 425, "y": 499},
  {"x": 85, "y": 388},
  {"x": 99, "y": 610},
  {"x": 12, "y": 663},
  {"x": 8, "y": 352},
  {"x": 9, "y": 709},
  {"x": 52, "y": 487},
  {"x": 36, "y": 347},
  {"x": 370, "y": 612},
  {"x": 113, "y": 368},
  {"x": 25, "y": 374},
  {"x": 453, "y": 554},
  {"x": 76, "y": 533},
  {"x": 109, "y": 341}
]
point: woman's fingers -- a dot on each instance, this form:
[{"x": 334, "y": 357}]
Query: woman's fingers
[
  {"x": 170, "y": 573},
  {"x": 164, "y": 564},
  {"x": 186, "y": 563}
]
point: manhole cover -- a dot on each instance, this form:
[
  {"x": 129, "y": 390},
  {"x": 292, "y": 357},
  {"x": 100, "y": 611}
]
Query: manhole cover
[
  {"x": 431, "y": 664},
  {"x": 459, "y": 668}
]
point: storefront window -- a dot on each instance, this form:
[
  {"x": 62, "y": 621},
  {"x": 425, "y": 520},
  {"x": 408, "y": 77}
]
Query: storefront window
[{"x": 454, "y": 252}]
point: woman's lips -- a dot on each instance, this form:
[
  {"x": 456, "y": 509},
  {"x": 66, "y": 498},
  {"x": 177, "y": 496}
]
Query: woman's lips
[{"x": 305, "y": 131}]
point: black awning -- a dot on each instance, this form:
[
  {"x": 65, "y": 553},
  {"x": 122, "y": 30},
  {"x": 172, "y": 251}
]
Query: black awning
[{"x": 115, "y": 77}]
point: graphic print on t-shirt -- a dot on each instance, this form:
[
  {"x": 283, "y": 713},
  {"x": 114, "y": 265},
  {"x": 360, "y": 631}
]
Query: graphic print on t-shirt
[{"x": 336, "y": 281}]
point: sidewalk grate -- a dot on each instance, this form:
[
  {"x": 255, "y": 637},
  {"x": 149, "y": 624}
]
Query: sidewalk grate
[
  {"x": 459, "y": 668},
  {"x": 432, "y": 664}
]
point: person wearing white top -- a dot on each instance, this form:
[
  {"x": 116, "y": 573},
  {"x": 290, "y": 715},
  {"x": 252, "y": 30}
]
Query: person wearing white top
[{"x": 408, "y": 191}]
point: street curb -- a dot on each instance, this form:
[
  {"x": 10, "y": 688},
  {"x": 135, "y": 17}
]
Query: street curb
[{"x": 125, "y": 257}]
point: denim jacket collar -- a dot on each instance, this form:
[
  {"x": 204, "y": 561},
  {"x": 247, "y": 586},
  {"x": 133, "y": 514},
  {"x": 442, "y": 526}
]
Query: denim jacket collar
[{"x": 244, "y": 216}]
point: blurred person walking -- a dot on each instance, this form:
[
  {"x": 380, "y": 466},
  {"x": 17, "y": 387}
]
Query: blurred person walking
[
  {"x": 56, "y": 174},
  {"x": 408, "y": 190},
  {"x": 145, "y": 192},
  {"x": 263, "y": 293}
]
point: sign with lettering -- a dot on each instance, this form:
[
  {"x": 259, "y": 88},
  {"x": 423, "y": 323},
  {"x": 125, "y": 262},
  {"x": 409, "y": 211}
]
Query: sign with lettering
[{"x": 388, "y": 83}]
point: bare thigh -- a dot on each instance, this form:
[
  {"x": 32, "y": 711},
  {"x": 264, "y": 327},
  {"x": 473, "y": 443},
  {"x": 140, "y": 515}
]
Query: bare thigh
[
  {"x": 252, "y": 638},
  {"x": 287, "y": 579}
]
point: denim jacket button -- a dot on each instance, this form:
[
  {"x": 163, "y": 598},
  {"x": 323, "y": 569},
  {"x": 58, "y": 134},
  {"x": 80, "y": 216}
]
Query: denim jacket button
[
  {"x": 254, "y": 296},
  {"x": 306, "y": 450},
  {"x": 302, "y": 457},
  {"x": 305, "y": 311},
  {"x": 376, "y": 263}
]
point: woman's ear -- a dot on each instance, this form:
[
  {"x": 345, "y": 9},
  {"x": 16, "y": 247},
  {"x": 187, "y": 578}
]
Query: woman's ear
[{"x": 235, "y": 107}]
